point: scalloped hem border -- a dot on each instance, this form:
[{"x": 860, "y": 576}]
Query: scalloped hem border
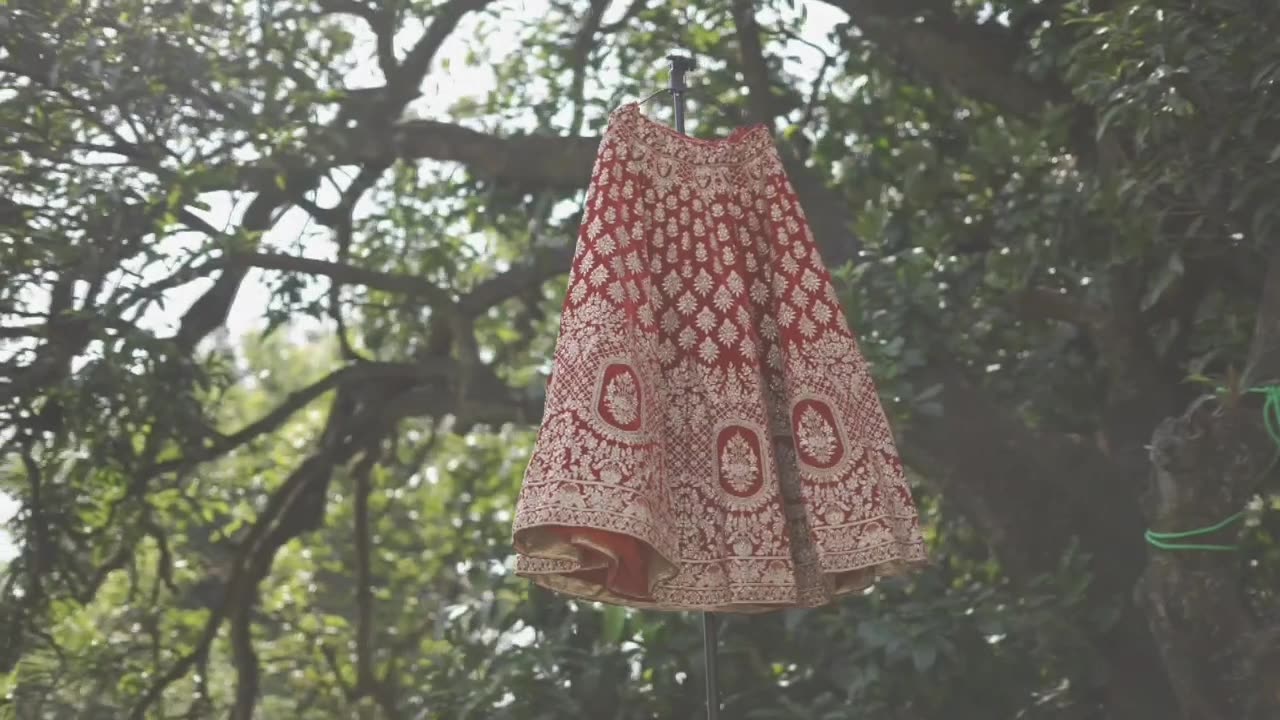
[{"x": 892, "y": 560}]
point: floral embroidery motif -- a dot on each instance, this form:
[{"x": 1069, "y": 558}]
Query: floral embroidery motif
[
  {"x": 708, "y": 399},
  {"x": 740, "y": 471},
  {"x": 819, "y": 443},
  {"x": 817, "y": 437},
  {"x": 738, "y": 464},
  {"x": 620, "y": 398}
]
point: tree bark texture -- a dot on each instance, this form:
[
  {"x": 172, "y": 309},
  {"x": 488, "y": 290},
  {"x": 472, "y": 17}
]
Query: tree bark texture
[{"x": 1221, "y": 663}]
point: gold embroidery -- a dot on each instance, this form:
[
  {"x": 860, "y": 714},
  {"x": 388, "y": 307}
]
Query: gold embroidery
[
  {"x": 817, "y": 438},
  {"x": 698, "y": 313},
  {"x": 738, "y": 463},
  {"x": 620, "y": 398}
]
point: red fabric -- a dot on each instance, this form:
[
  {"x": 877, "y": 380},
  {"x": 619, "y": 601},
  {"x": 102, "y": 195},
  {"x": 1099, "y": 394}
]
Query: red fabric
[
  {"x": 712, "y": 437},
  {"x": 624, "y": 570}
]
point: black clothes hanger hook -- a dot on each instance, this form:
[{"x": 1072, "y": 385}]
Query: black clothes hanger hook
[{"x": 680, "y": 66}]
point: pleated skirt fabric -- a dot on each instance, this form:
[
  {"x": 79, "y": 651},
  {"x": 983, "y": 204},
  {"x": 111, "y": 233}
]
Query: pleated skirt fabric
[{"x": 712, "y": 438}]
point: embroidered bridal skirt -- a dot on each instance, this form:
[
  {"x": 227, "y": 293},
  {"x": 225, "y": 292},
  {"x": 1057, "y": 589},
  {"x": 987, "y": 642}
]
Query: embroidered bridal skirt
[{"x": 712, "y": 438}]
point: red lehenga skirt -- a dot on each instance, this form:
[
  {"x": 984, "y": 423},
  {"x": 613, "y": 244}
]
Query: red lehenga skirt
[{"x": 712, "y": 438}]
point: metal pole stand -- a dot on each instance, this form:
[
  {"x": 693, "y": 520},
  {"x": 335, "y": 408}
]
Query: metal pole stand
[
  {"x": 710, "y": 644},
  {"x": 680, "y": 65}
]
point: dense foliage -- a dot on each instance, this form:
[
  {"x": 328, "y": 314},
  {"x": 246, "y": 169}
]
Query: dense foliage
[{"x": 275, "y": 321}]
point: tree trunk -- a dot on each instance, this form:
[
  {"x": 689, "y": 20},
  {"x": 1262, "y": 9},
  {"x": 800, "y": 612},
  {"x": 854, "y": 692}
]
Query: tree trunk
[{"x": 1207, "y": 463}]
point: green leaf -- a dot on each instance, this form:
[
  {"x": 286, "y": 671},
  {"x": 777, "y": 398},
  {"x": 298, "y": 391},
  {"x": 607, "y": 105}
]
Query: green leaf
[
  {"x": 923, "y": 657},
  {"x": 1171, "y": 271},
  {"x": 615, "y": 620}
]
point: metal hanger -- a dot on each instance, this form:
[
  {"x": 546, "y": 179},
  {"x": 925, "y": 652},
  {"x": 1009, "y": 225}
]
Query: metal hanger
[{"x": 678, "y": 87}]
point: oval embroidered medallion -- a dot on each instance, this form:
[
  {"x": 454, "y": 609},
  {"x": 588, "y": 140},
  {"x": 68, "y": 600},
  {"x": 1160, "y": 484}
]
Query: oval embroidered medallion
[
  {"x": 818, "y": 443},
  {"x": 739, "y": 465},
  {"x": 619, "y": 399}
]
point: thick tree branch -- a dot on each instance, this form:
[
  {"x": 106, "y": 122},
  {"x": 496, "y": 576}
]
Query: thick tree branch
[
  {"x": 365, "y": 679},
  {"x": 357, "y": 419},
  {"x": 980, "y": 61},
  {"x": 403, "y": 85},
  {"x": 1264, "y": 353},
  {"x": 354, "y": 374},
  {"x": 243, "y": 656},
  {"x": 10, "y": 333},
  {"x": 371, "y": 398},
  {"x": 560, "y": 162},
  {"x": 1033, "y": 495},
  {"x": 379, "y": 22},
  {"x": 754, "y": 67},
  {"x": 579, "y": 53},
  {"x": 516, "y": 281},
  {"x": 1142, "y": 389},
  {"x": 545, "y": 265},
  {"x": 532, "y": 160},
  {"x": 343, "y": 237},
  {"x": 210, "y": 310},
  {"x": 345, "y": 275}
]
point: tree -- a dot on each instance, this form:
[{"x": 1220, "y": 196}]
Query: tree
[{"x": 1054, "y": 229}]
